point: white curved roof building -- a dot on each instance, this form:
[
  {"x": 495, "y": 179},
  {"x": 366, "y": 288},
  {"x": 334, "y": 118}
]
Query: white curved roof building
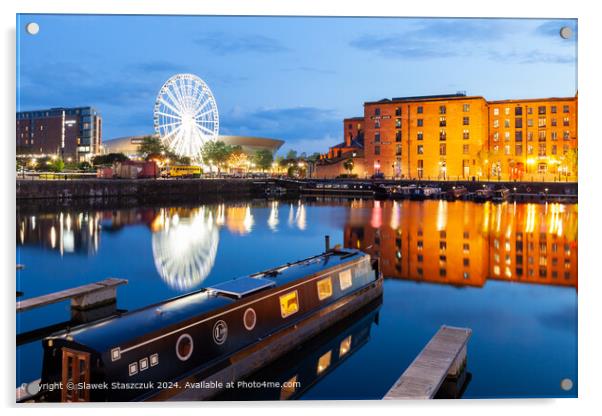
[{"x": 129, "y": 145}]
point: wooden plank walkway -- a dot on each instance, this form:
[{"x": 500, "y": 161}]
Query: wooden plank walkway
[
  {"x": 82, "y": 297},
  {"x": 445, "y": 354}
]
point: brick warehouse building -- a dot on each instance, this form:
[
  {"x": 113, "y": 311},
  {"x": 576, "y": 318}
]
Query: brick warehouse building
[
  {"x": 66, "y": 132},
  {"x": 460, "y": 137}
]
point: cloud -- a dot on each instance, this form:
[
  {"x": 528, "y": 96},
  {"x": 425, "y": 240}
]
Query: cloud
[
  {"x": 435, "y": 38},
  {"x": 395, "y": 46},
  {"x": 308, "y": 129},
  {"x": 532, "y": 57},
  {"x": 221, "y": 43}
]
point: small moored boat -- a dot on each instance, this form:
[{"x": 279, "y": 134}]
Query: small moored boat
[
  {"x": 456, "y": 192},
  {"x": 424, "y": 192},
  {"x": 482, "y": 195},
  {"x": 500, "y": 195}
]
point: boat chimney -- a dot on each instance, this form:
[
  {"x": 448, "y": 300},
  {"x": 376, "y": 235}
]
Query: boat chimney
[{"x": 327, "y": 243}]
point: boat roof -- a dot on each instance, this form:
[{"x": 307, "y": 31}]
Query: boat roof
[
  {"x": 242, "y": 286},
  {"x": 126, "y": 328}
]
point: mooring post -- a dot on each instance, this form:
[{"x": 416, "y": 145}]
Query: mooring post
[{"x": 327, "y": 243}]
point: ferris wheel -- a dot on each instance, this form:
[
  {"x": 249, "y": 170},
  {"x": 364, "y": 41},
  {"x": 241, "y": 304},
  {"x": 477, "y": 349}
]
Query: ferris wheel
[{"x": 185, "y": 115}]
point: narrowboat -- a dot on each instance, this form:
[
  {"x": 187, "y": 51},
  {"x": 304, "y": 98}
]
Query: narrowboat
[
  {"x": 482, "y": 195},
  {"x": 401, "y": 192},
  {"x": 424, "y": 192},
  {"x": 274, "y": 191},
  {"x": 217, "y": 334},
  {"x": 500, "y": 195},
  {"x": 337, "y": 188},
  {"x": 457, "y": 192}
]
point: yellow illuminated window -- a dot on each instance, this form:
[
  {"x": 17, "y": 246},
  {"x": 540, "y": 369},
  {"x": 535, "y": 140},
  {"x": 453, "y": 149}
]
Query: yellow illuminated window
[
  {"x": 324, "y": 362},
  {"x": 345, "y": 346},
  {"x": 345, "y": 279},
  {"x": 289, "y": 304},
  {"x": 324, "y": 288}
]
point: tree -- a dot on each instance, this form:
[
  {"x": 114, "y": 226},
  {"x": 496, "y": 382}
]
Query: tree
[
  {"x": 151, "y": 145},
  {"x": 484, "y": 159},
  {"x": 238, "y": 159},
  {"x": 314, "y": 157},
  {"x": 57, "y": 165},
  {"x": 216, "y": 152},
  {"x": 291, "y": 154},
  {"x": 572, "y": 158},
  {"x": 263, "y": 159},
  {"x": 85, "y": 166},
  {"x": 108, "y": 159},
  {"x": 348, "y": 165}
]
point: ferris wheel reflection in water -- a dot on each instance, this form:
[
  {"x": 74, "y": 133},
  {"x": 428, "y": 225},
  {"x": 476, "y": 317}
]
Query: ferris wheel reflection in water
[{"x": 185, "y": 240}]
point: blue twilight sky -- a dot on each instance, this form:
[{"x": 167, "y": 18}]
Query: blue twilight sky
[{"x": 293, "y": 78}]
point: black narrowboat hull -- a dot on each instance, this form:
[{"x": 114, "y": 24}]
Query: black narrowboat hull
[
  {"x": 148, "y": 353},
  {"x": 268, "y": 350},
  {"x": 294, "y": 373},
  {"x": 338, "y": 188}
]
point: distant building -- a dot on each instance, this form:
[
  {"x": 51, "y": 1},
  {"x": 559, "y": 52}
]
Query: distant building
[
  {"x": 455, "y": 136},
  {"x": 71, "y": 133},
  {"x": 129, "y": 145}
]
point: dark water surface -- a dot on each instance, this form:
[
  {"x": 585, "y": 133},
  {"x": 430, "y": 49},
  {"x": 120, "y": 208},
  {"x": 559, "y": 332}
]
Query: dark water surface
[{"x": 508, "y": 271}]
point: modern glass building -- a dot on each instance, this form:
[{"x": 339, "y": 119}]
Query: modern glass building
[{"x": 71, "y": 133}]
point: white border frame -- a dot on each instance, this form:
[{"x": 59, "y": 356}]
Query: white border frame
[{"x": 590, "y": 30}]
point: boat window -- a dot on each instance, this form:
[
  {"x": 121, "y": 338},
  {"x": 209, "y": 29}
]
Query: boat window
[
  {"x": 249, "y": 319},
  {"x": 154, "y": 360},
  {"x": 288, "y": 388},
  {"x": 184, "y": 347},
  {"x": 345, "y": 346},
  {"x": 324, "y": 288},
  {"x": 289, "y": 304},
  {"x": 324, "y": 362},
  {"x": 345, "y": 279}
]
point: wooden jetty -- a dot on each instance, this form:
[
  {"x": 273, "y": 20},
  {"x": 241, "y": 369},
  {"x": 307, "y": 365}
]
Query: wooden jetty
[
  {"x": 443, "y": 356},
  {"x": 82, "y": 297}
]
